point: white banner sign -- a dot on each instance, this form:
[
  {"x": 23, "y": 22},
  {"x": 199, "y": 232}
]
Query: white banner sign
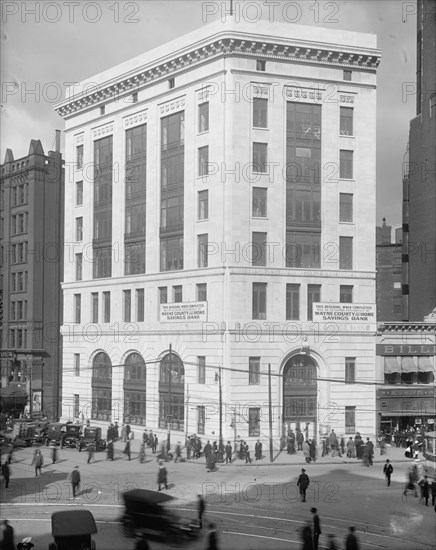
[
  {"x": 183, "y": 312},
  {"x": 348, "y": 313}
]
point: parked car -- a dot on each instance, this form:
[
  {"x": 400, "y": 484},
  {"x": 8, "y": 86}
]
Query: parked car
[
  {"x": 92, "y": 434},
  {"x": 72, "y": 436},
  {"x": 55, "y": 433},
  {"x": 72, "y": 530},
  {"x": 23, "y": 433}
]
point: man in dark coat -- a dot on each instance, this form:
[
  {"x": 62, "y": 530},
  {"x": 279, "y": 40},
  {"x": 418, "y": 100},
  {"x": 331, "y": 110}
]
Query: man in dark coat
[
  {"x": 258, "y": 450},
  {"x": 6, "y": 473},
  {"x": 212, "y": 539},
  {"x": 300, "y": 439},
  {"x": 351, "y": 542},
  {"x": 316, "y": 528},
  {"x": 228, "y": 453},
  {"x": 127, "y": 449},
  {"x": 201, "y": 509},
  {"x": 162, "y": 476},
  {"x": 7, "y": 542},
  {"x": 425, "y": 489},
  {"x": 303, "y": 483},
  {"x": 387, "y": 470},
  {"x": 207, "y": 450},
  {"x": 75, "y": 480},
  {"x": 306, "y": 535},
  {"x": 154, "y": 443}
]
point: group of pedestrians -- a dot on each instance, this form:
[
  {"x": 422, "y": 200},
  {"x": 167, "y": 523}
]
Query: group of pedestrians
[{"x": 311, "y": 532}]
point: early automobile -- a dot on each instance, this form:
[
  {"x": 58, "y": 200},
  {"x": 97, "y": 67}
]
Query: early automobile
[
  {"x": 72, "y": 436},
  {"x": 40, "y": 430},
  {"x": 23, "y": 433},
  {"x": 92, "y": 436},
  {"x": 55, "y": 433},
  {"x": 153, "y": 514},
  {"x": 72, "y": 530}
]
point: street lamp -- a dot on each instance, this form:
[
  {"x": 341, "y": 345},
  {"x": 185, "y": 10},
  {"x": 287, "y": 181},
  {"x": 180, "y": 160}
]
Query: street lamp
[{"x": 220, "y": 445}]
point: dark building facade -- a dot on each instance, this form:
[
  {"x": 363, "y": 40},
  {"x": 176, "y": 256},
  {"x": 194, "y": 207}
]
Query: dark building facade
[
  {"x": 388, "y": 279},
  {"x": 419, "y": 181},
  {"x": 31, "y": 218}
]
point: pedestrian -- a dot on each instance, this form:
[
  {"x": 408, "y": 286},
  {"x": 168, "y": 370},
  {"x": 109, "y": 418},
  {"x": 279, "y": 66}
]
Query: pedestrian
[
  {"x": 306, "y": 535},
  {"x": 433, "y": 492},
  {"x": 128, "y": 430},
  {"x": 6, "y": 473},
  {"x": 162, "y": 476},
  {"x": 201, "y": 509},
  {"x": 258, "y": 450},
  {"x": 38, "y": 460},
  {"x": 411, "y": 484},
  {"x": 91, "y": 450},
  {"x": 342, "y": 444},
  {"x": 351, "y": 542},
  {"x": 316, "y": 528},
  {"x": 127, "y": 449},
  {"x": 212, "y": 538},
  {"x": 312, "y": 450},
  {"x": 142, "y": 453},
  {"x": 110, "y": 450},
  {"x": 116, "y": 431},
  {"x": 333, "y": 441},
  {"x": 75, "y": 480},
  {"x": 123, "y": 433},
  {"x": 178, "y": 451},
  {"x": 370, "y": 445},
  {"x": 332, "y": 543},
  {"x": 303, "y": 483},
  {"x": 247, "y": 454},
  {"x": 155, "y": 442},
  {"x": 351, "y": 450},
  {"x": 300, "y": 439},
  {"x": 54, "y": 454},
  {"x": 306, "y": 451},
  {"x": 387, "y": 470},
  {"x": 425, "y": 489},
  {"x": 7, "y": 542},
  {"x": 207, "y": 450},
  {"x": 228, "y": 453}
]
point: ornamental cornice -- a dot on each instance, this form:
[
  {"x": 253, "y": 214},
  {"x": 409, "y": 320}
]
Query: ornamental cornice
[
  {"x": 337, "y": 56},
  {"x": 136, "y": 118},
  {"x": 102, "y": 130}
]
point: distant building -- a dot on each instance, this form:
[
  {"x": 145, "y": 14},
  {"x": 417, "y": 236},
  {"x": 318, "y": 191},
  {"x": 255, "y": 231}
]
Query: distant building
[
  {"x": 419, "y": 181},
  {"x": 31, "y": 224},
  {"x": 388, "y": 281}
]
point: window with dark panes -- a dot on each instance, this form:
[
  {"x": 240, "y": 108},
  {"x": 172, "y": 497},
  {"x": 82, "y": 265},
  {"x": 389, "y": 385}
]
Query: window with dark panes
[
  {"x": 202, "y": 292},
  {"x": 260, "y": 112},
  {"x": 127, "y": 306},
  {"x": 254, "y": 422},
  {"x": 346, "y": 164},
  {"x": 346, "y": 294},
  {"x": 79, "y": 266},
  {"x": 94, "y": 307},
  {"x": 253, "y": 370},
  {"x": 135, "y": 389},
  {"x": 203, "y": 117},
  {"x": 203, "y": 161},
  {"x": 202, "y": 250},
  {"x": 259, "y": 202},
  {"x": 350, "y": 370},
  {"x": 163, "y": 295},
  {"x": 171, "y": 254},
  {"x": 350, "y": 420},
  {"x": 345, "y": 207},
  {"x": 106, "y": 307},
  {"x": 140, "y": 304},
  {"x": 79, "y": 229},
  {"x": 203, "y": 205},
  {"x": 346, "y": 121},
  {"x": 258, "y": 249},
  {"x": 345, "y": 252},
  {"x": 292, "y": 301},
  {"x": 260, "y": 65},
  {"x": 347, "y": 74},
  {"x": 259, "y": 301},
  {"x": 77, "y": 308},
  {"x": 201, "y": 419},
  {"x": 313, "y": 296},
  {"x": 101, "y": 383},
  {"x": 302, "y": 249},
  {"x": 79, "y": 157},
  {"x": 79, "y": 193},
  {"x": 260, "y": 157},
  {"x": 77, "y": 364},
  {"x": 177, "y": 293},
  {"x": 134, "y": 258},
  {"x": 201, "y": 369},
  {"x": 172, "y": 213}
]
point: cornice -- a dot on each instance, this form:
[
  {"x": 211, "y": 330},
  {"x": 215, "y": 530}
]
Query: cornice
[{"x": 298, "y": 52}]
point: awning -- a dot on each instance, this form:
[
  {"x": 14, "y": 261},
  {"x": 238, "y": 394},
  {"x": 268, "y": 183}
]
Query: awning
[
  {"x": 425, "y": 364},
  {"x": 409, "y": 364},
  {"x": 392, "y": 364},
  {"x": 13, "y": 394},
  {"x": 424, "y": 414}
]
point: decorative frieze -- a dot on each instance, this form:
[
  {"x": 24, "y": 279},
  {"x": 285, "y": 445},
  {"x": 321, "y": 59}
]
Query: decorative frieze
[
  {"x": 296, "y": 92},
  {"x": 260, "y": 90},
  {"x": 203, "y": 94},
  {"x": 102, "y": 130},
  {"x": 137, "y": 118},
  {"x": 172, "y": 105},
  {"x": 79, "y": 139},
  {"x": 346, "y": 98}
]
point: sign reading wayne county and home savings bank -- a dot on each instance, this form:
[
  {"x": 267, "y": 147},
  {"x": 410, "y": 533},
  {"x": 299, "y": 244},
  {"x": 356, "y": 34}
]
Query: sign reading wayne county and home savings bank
[
  {"x": 352, "y": 313},
  {"x": 183, "y": 312}
]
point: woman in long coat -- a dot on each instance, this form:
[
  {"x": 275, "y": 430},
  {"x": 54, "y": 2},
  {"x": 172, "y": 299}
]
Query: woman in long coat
[
  {"x": 351, "y": 451},
  {"x": 312, "y": 450}
]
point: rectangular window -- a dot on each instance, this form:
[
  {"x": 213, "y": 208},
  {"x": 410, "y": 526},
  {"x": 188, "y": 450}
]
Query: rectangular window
[
  {"x": 350, "y": 420},
  {"x": 202, "y": 292},
  {"x": 76, "y": 405},
  {"x": 127, "y": 306},
  {"x": 102, "y": 265},
  {"x": 260, "y": 65},
  {"x": 259, "y": 301},
  {"x": 347, "y": 74},
  {"x": 79, "y": 229},
  {"x": 77, "y": 308},
  {"x": 140, "y": 313},
  {"x": 171, "y": 254},
  {"x": 171, "y": 83},
  {"x": 203, "y": 161},
  {"x": 254, "y": 422},
  {"x": 102, "y": 109},
  {"x": 201, "y": 369},
  {"x": 258, "y": 254},
  {"x": 177, "y": 294},
  {"x": 346, "y": 164},
  {"x": 94, "y": 307},
  {"x": 313, "y": 295},
  {"x": 260, "y": 157},
  {"x": 106, "y": 307},
  {"x": 79, "y": 265},
  {"x": 292, "y": 302},
  {"x": 346, "y": 121},
  {"x": 163, "y": 295},
  {"x": 201, "y": 419},
  {"x": 77, "y": 364},
  {"x": 302, "y": 249},
  {"x": 346, "y": 294},
  {"x": 345, "y": 252},
  {"x": 260, "y": 112},
  {"x": 79, "y": 157},
  {"x": 253, "y": 370},
  {"x": 345, "y": 207},
  {"x": 134, "y": 258},
  {"x": 259, "y": 202},
  {"x": 203, "y": 205},
  {"x": 79, "y": 193},
  {"x": 14, "y": 281},
  {"x": 203, "y": 117},
  {"x": 350, "y": 370},
  {"x": 202, "y": 250}
]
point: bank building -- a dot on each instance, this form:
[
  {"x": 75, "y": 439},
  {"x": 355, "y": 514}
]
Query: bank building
[{"x": 220, "y": 236}]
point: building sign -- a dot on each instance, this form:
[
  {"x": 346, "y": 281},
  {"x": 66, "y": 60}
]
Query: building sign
[
  {"x": 405, "y": 392},
  {"x": 183, "y": 312},
  {"x": 348, "y": 313},
  {"x": 405, "y": 349},
  {"x": 7, "y": 355},
  {"x": 415, "y": 406}
]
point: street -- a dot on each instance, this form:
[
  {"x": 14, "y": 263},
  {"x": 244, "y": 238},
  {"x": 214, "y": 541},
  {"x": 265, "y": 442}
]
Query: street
[{"x": 254, "y": 506}]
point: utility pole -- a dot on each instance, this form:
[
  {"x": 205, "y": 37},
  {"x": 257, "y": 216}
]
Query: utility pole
[
  {"x": 220, "y": 445},
  {"x": 271, "y": 457},
  {"x": 169, "y": 415}
]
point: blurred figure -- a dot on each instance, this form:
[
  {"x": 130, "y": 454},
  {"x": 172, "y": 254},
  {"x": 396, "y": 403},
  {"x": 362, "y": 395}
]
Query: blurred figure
[
  {"x": 201, "y": 509},
  {"x": 351, "y": 542},
  {"x": 331, "y": 542},
  {"x": 7, "y": 542},
  {"x": 306, "y": 535},
  {"x": 212, "y": 538},
  {"x": 387, "y": 470},
  {"x": 91, "y": 450},
  {"x": 6, "y": 473},
  {"x": 38, "y": 461},
  {"x": 316, "y": 528}
]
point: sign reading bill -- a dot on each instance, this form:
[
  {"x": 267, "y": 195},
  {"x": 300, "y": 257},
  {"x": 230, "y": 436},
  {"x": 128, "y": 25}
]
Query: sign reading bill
[
  {"x": 186, "y": 312},
  {"x": 346, "y": 313}
]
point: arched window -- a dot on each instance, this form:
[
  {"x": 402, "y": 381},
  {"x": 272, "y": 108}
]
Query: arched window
[
  {"x": 299, "y": 390},
  {"x": 101, "y": 387},
  {"x": 135, "y": 389},
  {"x": 172, "y": 392}
]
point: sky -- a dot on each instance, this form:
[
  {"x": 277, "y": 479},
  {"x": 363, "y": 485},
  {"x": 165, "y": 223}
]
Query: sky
[{"x": 48, "y": 44}]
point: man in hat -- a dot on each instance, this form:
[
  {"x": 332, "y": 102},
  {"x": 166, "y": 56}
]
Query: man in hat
[
  {"x": 387, "y": 470},
  {"x": 75, "y": 480},
  {"x": 162, "y": 476},
  {"x": 303, "y": 483},
  {"x": 316, "y": 528}
]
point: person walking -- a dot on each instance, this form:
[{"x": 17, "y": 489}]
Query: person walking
[
  {"x": 387, "y": 470},
  {"x": 312, "y": 450},
  {"x": 258, "y": 450},
  {"x": 7, "y": 542},
  {"x": 142, "y": 453},
  {"x": 54, "y": 454},
  {"x": 201, "y": 509},
  {"x": 300, "y": 439},
  {"x": 91, "y": 450},
  {"x": 178, "y": 451},
  {"x": 6, "y": 473},
  {"x": 110, "y": 450},
  {"x": 303, "y": 483},
  {"x": 411, "y": 484},
  {"x": 306, "y": 536},
  {"x": 425, "y": 489},
  {"x": 316, "y": 528},
  {"x": 351, "y": 542},
  {"x": 127, "y": 449},
  {"x": 75, "y": 480},
  {"x": 155, "y": 442},
  {"x": 351, "y": 451},
  {"x": 123, "y": 433},
  {"x": 228, "y": 453},
  {"x": 306, "y": 451},
  {"x": 162, "y": 476},
  {"x": 247, "y": 454},
  {"x": 212, "y": 538},
  {"x": 128, "y": 430},
  {"x": 370, "y": 445},
  {"x": 38, "y": 461}
]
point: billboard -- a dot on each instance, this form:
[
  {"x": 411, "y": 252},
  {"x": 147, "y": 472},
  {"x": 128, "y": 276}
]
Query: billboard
[
  {"x": 183, "y": 312},
  {"x": 346, "y": 313}
]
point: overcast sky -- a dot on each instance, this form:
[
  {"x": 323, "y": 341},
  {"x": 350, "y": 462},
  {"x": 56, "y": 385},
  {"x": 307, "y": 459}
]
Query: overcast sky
[{"x": 47, "y": 44}]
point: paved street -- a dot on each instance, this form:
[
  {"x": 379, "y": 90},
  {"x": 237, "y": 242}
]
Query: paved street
[{"x": 254, "y": 506}]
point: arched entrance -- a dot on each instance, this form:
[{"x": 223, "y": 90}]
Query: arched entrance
[
  {"x": 172, "y": 392},
  {"x": 300, "y": 395},
  {"x": 135, "y": 387},
  {"x": 101, "y": 387}
]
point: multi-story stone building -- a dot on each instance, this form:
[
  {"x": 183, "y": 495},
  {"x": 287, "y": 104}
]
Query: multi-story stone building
[
  {"x": 31, "y": 217},
  {"x": 389, "y": 274},
  {"x": 220, "y": 219}
]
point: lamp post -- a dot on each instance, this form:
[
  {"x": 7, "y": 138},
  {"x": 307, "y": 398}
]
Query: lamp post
[
  {"x": 169, "y": 415},
  {"x": 220, "y": 445}
]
